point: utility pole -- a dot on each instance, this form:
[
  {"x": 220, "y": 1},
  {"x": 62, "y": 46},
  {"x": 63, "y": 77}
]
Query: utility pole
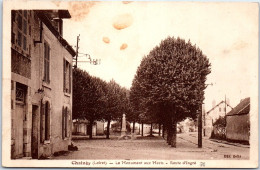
[
  {"x": 225, "y": 106},
  {"x": 200, "y": 122},
  {"x": 77, "y": 50},
  {"x": 200, "y": 127}
]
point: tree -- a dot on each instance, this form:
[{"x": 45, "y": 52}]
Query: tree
[
  {"x": 169, "y": 83},
  {"x": 113, "y": 103},
  {"x": 88, "y": 100}
]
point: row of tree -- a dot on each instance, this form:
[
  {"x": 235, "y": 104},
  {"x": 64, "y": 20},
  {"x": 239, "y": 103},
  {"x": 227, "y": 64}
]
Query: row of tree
[
  {"x": 167, "y": 88},
  {"x": 169, "y": 85},
  {"x": 96, "y": 100}
]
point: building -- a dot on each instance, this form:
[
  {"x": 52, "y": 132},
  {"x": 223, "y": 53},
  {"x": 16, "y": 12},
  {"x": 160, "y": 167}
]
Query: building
[
  {"x": 41, "y": 83},
  {"x": 217, "y": 111},
  {"x": 187, "y": 125},
  {"x": 238, "y": 122},
  {"x": 82, "y": 127}
]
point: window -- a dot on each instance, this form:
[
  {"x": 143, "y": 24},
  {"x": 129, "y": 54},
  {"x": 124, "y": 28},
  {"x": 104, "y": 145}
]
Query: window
[
  {"x": 45, "y": 122},
  {"x": 65, "y": 114},
  {"x": 66, "y": 76},
  {"x": 22, "y": 24},
  {"x": 220, "y": 109},
  {"x": 20, "y": 94},
  {"x": 46, "y": 77}
]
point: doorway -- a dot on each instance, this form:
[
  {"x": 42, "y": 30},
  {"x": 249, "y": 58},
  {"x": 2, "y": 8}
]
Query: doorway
[
  {"x": 35, "y": 131},
  {"x": 19, "y": 112}
]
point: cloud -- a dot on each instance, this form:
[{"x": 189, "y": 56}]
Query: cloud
[
  {"x": 122, "y": 21},
  {"x": 106, "y": 40},
  {"x": 123, "y": 46},
  {"x": 80, "y": 9}
]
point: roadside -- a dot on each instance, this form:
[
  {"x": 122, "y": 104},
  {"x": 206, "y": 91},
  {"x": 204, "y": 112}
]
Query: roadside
[{"x": 153, "y": 148}]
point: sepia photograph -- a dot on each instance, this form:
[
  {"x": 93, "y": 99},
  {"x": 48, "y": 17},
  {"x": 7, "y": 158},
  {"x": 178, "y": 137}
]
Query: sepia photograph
[{"x": 130, "y": 84}]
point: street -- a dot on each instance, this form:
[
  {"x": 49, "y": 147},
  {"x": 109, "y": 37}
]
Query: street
[{"x": 155, "y": 148}]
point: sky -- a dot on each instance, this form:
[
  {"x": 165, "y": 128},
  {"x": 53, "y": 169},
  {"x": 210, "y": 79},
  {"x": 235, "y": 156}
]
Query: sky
[{"x": 121, "y": 33}]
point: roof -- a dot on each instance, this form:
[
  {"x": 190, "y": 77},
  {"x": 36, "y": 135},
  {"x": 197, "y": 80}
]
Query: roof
[
  {"x": 242, "y": 108},
  {"x": 56, "y": 13},
  {"x": 42, "y": 16},
  {"x": 218, "y": 105}
]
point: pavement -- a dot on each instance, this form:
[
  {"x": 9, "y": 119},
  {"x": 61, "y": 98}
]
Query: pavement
[{"x": 154, "y": 148}]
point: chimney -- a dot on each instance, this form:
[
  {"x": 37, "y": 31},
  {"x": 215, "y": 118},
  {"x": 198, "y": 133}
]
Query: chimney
[{"x": 228, "y": 101}]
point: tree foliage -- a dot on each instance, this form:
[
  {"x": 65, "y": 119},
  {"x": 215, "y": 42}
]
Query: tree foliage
[
  {"x": 170, "y": 80},
  {"x": 169, "y": 83},
  {"x": 95, "y": 99}
]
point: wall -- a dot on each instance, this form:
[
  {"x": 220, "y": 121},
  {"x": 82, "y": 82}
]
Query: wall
[
  {"x": 53, "y": 92},
  {"x": 238, "y": 127},
  {"x": 100, "y": 128},
  {"x": 212, "y": 116}
]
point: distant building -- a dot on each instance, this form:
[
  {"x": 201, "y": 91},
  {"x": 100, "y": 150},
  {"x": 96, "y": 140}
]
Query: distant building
[
  {"x": 82, "y": 127},
  {"x": 41, "y": 83},
  {"x": 187, "y": 125},
  {"x": 238, "y": 122},
  {"x": 221, "y": 109}
]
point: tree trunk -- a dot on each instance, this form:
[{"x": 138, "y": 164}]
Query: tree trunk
[
  {"x": 174, "y": 134},
  {"x": 142, "y": 129},
  {"x": 121, "y": 122},
  {"x": 159, "y": 129},
  {"x": 91, "y": 128},
  {"x": 139, "y": 129},
  {"x": 151, "y": 130},
  {"x": 134, "y": 127},
  {"x": 108, "y": 128},
  {"x": 169, "y": 135},
  {"x": 163, "y": 131}
]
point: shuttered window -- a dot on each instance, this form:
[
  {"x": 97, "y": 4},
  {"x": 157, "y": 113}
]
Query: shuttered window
[
  {"x": 46, "y": 77},
  {"x": 67, "y": 76},
  {"x": 65, "y": 131},
  {"x": 45, "y": 122},
  {"x": 42, "y": 123},
  {"x": 22, "y": 24},
  {"x": 62, "y": 118}
]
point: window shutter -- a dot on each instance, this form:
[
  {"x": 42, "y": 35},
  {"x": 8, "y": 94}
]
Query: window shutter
[
  {"x": 44, "y": 77},
  {"x": 48, "y": 122},
  {"x": 62, "y": 117},
  {"x": 48, "y": 57},
  {"x": 67, "y": 123},
  {"x": 70, "y": 77},
  {"x": 64, "y": 75},
  {"x": 42, "y": 123}
]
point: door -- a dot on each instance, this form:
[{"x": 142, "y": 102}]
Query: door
[
  {"x": 19, "y": 112},
  {"x": 35, "y": 131}
]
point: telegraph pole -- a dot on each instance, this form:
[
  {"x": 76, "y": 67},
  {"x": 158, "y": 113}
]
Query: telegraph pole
[
  {"x": 200, "y": 128},
  {"x": 200, "y": 123},
  {"x": 91, "y": 61},
  {"x": 225, "y": 106},
  {"x": 77, "y": 50}
]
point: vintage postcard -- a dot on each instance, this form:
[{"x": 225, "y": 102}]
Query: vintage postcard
[{"x": 116, "y": 84}]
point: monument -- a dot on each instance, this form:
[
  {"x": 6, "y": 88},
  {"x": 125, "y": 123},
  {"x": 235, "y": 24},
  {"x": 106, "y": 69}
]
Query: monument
[{"x": 123, "y": 130}]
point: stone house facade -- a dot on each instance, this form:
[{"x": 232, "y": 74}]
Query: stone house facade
[
  {"x": 41, "y": 83},
  {"x": 82, "y": 127},
  {"x": 219, "y": 110}
]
